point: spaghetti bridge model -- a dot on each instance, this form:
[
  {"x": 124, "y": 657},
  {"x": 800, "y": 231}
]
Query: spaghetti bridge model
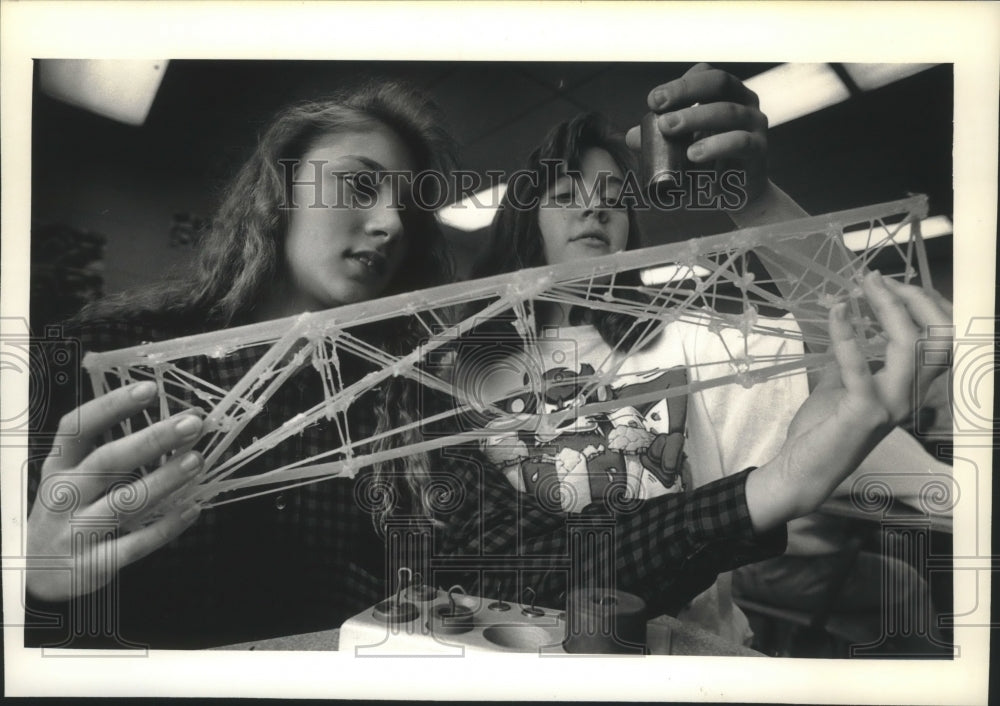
[{"x": 712, "y": 281}]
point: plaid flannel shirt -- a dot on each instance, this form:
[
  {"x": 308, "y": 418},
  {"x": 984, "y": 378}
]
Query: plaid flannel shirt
[
  {"x": 308, "y": 558},
  {"x": 302, "y": 559},
  {"x": 666, "y": 549}
]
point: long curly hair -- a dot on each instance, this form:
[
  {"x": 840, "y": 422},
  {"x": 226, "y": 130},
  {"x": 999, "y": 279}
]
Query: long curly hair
[
  {"x": 516, "y": 239},
  {"x": 242, "y": 252}
]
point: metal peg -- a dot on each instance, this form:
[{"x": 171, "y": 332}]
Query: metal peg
[
  {"x": 531, "y": 611},
  {"x": 499, "y": 605}
]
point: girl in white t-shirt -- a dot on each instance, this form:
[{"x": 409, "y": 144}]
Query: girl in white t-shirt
[{"x": 570, "y": 207}]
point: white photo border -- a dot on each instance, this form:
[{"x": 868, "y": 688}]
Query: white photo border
[{"x": 966, "y": 35}]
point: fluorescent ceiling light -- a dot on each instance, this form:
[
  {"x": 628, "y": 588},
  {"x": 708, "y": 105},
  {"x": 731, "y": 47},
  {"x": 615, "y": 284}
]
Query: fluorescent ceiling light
[
  {"x": 857, "y": 240},
  {"x": 671, "y": 273},
  {"x": 473, "y": 212},
  {"x": 869, "y": 76},
  {"x": 120, "y": 90},
  {"x": 933, "y": 227},
  {"x": 790, "y": 91}
]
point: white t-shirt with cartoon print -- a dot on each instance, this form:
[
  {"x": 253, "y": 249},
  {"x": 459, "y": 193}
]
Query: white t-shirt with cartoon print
[{"x": 656, "y": 441}]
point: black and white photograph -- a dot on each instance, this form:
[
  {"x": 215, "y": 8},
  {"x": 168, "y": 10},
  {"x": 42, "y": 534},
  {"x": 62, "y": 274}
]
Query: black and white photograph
[{"x": 383, "y": 351}]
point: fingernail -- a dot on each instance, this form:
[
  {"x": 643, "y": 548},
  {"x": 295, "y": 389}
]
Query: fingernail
[
  {"x": 143, "y": 391},
  {"x": 188, "y": 426},
  {"x": 671, "y": 120},
  {"x": 191, "y": 513},
  {"x": 661, "y": 97},
  {"x": 191, "y": 462},
  {"x": 696, "y": 151}
]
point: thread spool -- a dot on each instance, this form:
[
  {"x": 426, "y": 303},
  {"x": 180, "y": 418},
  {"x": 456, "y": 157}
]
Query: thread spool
[
  {"x": 603, "y": 621},
  {"x": 662, "y": 161}
]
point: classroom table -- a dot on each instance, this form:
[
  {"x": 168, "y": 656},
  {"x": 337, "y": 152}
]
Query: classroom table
[
  {"x": 685, "y": 639},
  {"x": 898, "y": 511}
]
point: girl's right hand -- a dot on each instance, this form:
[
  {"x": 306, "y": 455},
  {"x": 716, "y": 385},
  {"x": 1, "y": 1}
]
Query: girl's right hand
[
  {"x": 84, "y": 484},
  {"x": 722, "y": 120}
]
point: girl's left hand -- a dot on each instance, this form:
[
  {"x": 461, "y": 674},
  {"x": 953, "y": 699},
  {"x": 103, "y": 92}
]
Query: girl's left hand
[
  {"x": 853, "y": 409},
  {"x": 721, "y": 116},
  {"x": 910, "y": 316}
]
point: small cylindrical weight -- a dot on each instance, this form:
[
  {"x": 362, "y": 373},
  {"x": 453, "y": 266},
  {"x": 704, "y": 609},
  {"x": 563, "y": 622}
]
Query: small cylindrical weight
[
  {"x": 661, "y": 160},
  {"x": 603, "y": 621}
]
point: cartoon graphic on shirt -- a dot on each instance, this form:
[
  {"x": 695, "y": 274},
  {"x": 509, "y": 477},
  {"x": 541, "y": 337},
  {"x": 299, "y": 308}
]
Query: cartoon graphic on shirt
[{"x": 567, "y": 461}]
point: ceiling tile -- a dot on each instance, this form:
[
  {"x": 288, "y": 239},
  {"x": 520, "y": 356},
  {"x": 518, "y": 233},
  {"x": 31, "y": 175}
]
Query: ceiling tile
[
  {"x": 562, "y": 76},
  {"x": 479, "y": 98},
  {"x": 508, "y": 146},
  {"x": 621, "y": 94}
]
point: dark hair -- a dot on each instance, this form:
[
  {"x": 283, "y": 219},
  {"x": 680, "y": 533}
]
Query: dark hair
[
  {"x": 241, "y": 253},
  {"x": 516, "y": 238}
]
